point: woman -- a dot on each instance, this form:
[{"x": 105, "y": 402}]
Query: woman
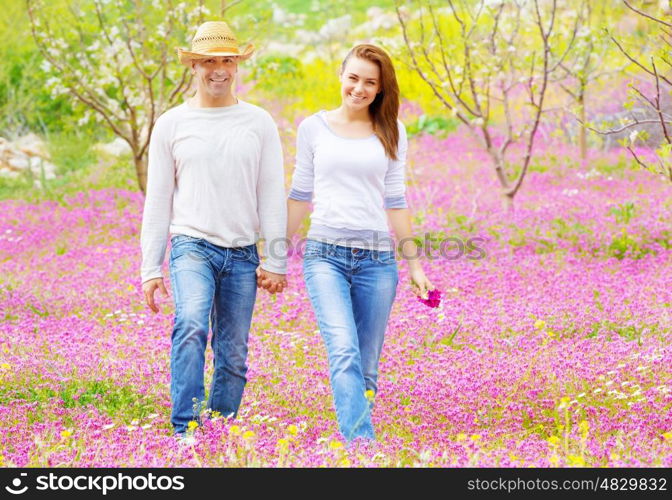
[{"x": 352, "y": 159}]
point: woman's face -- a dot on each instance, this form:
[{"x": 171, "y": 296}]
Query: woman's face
[{"x": 360, "y": 82}]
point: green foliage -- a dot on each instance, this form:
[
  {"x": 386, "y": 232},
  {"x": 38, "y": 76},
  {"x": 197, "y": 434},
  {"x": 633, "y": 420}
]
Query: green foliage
[
  {"x": 564, "y": 230},
  {"x": 611, "y": 167},
  {"x": 318, "y": 12},
  {"x": 106, "y": 395},
  {"x": 308, "y": 87},
  {"x": 664, "y": 239},
  {"x": 277, "y": 74},
  {"x": 25, "y": 102},
  {"x": 435, "y": 125},
  {"x": 17, "y": 188},
  {"x": 71, "y": 152},
  {"x": 563, "y": 234},
  {"x": 79, "y": 167},
  {"x": 624, "y": 212},
  {"x": 627, "y": 332},
  {"x": 625, "y": 245}
]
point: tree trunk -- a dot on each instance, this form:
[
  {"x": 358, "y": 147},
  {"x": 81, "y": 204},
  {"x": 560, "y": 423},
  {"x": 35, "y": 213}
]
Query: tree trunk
[
  {"x": 141, "y": 172},
  {"x": 582, "y": 131},
  {"x": 500, "y": 170},
  {"x": 507, "y": 202}
]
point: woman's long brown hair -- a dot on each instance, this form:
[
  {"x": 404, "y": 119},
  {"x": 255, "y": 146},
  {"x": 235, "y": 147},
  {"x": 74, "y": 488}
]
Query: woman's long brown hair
[{"x": 385, "y": 107}]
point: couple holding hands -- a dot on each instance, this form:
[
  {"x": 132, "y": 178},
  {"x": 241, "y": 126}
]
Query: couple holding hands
[{"x": 216, "y": 181}]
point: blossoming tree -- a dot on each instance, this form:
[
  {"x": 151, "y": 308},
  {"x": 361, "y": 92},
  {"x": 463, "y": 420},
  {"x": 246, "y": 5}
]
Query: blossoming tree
[
  {"x": 653, "y": 94},
  {"x": 490, "y": 60},
  {"x": 587, "y": 63},
  {"x": 116, "y": 58}
]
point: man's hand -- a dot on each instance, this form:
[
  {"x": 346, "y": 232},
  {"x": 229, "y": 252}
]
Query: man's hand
[
  {"x": 149, "y": 287},
  {"x": 271, "y": 282}
]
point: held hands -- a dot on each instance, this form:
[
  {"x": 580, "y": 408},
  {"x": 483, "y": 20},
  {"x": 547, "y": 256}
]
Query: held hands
[
  {"x": 269, "y": 281},
  {"x": 148, "y": 289}
]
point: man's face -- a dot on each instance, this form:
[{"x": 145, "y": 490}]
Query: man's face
[{"x": 214, "y": 76}]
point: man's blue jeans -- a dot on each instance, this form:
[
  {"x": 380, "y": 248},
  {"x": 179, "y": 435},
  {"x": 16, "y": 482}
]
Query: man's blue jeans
[
  {"x": 217, "y": 285},
  {"x": 352, "y": 291}
]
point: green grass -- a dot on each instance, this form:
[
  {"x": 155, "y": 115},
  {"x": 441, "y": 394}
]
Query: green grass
[
  {"x": 78, "y": 168},
  {"x": 71, "y": 152},
  {"x": 105, "y": 395}
]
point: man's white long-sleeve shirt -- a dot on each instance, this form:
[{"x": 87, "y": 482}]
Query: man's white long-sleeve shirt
[{"x": 216, "y": 174}]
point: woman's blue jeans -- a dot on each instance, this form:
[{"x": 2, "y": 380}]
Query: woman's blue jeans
[
  {"x": 352, "y": 291},
  {"x": 218, "y": 286}
]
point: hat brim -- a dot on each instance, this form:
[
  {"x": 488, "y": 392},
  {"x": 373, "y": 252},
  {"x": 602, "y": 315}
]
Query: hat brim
[{"x": 186, "y": 56}]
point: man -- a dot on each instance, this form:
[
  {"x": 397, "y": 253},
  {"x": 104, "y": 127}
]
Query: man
[{"x": 215, "y": 181}]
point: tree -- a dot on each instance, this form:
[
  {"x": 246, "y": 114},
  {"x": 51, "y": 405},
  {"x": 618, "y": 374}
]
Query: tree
[
  {"x": 586, "y": 62},
  {"x": 654, "y": 97},
  {"x": 480, "y": 60},
  {"x": 117, "y": 59}
]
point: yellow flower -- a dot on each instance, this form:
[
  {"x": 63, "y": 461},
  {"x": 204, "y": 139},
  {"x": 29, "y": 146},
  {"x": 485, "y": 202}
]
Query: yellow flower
[
  {"x": 583, "y": 426},
  {"x": 345, "y": 462},
  {"x": 564, "y": 402},
  {"x": 283, "y": 444},
  {"x": 461, "y": 437},
  {"x": 5, "y": 366},
  {"x": 540, "y": 324},
  {"x": 215, "y": 414},
  {"x": 576, "y": 460},
  {"x": 192, "y": 425},
  {"x": 66, "y": 434},
  {"x": 551, "y": 333},
  {"x": 615, "y": 456},
  {"x": 292, "y": 429},
  {"x": 335, "y": 445},
  {"x": 475, "y": 437},
  {"x": 554, "y": 459},
  {"x": 369, "y": 394},
  {"x": 248, "y": 434},
  {"x": 667, "y": 436},
  {"x": 234, "y": 430},
  {"x": 553, "y": 440}
]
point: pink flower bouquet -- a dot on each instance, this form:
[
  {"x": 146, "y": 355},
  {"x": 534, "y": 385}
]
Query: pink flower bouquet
[{"x": 433, "y": 298}]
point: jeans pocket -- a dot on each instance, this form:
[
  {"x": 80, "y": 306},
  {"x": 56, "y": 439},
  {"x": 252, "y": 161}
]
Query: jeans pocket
[
  {"x": 246, "y": 254},
  {"x": 384, "y": 257},
  {"x": 178, "y": 239},
  {"x": 315, "y": 250},
  {"x": 181, "y": 244}
]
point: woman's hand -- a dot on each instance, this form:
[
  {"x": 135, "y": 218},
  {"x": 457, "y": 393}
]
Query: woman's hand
[
  {"x": 419, "y": 282},
  {"x": 271, "y": 282},
  {"x": 400, "y": 220}
]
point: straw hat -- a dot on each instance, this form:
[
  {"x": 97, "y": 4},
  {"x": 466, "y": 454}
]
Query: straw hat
[{"x": 214, "y": 39}]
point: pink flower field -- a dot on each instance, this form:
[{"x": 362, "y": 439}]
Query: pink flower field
[{"x": 553, "y": 349}]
